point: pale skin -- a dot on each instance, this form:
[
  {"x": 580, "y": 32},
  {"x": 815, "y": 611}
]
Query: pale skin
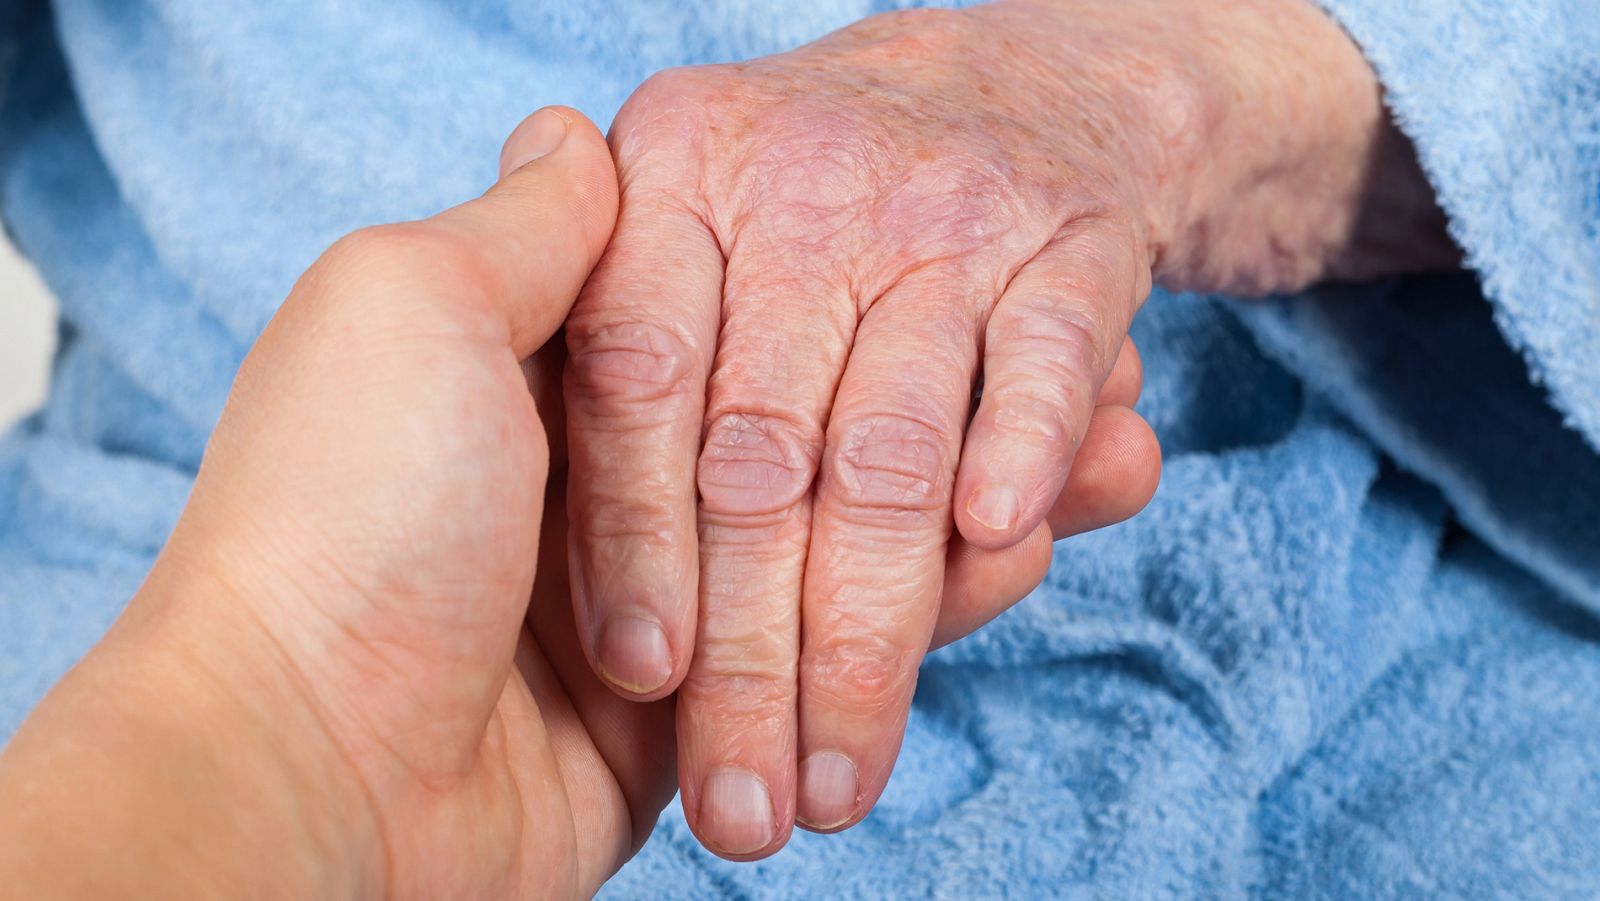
[
  {"x": 817, "y": 257},
  {"x": 353, "y": 670}
]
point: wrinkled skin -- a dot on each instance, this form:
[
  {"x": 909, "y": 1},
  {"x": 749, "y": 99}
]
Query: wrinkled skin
[
  {"x": 334, "y": 682},
  {"x": 818, "y": 255}
]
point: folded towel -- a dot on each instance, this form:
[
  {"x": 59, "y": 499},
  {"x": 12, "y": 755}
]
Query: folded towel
[{"x": 1350, "y": 649}]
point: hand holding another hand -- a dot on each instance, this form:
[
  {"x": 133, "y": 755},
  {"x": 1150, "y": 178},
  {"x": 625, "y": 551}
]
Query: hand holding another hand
[
  {"x": 353, "y": 670},
  {"x": 334, "y": 681}
]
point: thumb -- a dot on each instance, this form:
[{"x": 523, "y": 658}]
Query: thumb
[
  {"x": 376, "y": 480},
  {"x": 534, "y": 237}
]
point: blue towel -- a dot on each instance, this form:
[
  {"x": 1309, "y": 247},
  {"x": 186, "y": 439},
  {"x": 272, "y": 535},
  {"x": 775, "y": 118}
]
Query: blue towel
[{"x": 1352, "y": 648}]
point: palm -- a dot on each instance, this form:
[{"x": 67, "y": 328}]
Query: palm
[
  {"x": 495, "y": 763},
  {"x": 567, "y": 780}
]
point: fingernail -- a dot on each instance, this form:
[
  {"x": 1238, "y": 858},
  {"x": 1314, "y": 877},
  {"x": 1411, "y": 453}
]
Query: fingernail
[
  {"x": 538, "y": 135},
  {"x": 997, "y": 507},
  {"x": 828, "y": 790},
  {"x": 736, "y": 811},
  {"x": 633, "y": 653}
]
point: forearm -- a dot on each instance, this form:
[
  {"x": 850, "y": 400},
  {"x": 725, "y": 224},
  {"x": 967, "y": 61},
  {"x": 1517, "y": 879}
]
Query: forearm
[{"x": 150, "y": 770}]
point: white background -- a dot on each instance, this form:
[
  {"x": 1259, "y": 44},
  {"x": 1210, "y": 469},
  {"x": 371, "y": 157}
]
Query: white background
[{"x": 27, "y": 335}]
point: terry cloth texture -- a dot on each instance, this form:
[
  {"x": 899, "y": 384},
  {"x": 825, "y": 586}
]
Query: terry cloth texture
[{"x": 1350, "y": 650}]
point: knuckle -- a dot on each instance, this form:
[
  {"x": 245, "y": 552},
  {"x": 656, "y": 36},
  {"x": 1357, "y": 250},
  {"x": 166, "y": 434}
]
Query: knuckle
[
  {"x": 742, "y": 680},
  {"x": 617, "y": 367},
  {"x": 406, "y": 255},
  {"x": 666, "y": 113},
  {"x": 743, "y": 712},
  {"x": 640, "y": 517},
  {"x": 890, "y": 464},
  {"x": 1095, "y": 254},
  {"x": 755, "y": 463},
  {"x": 671, "y": 86},
  {"x": 811, "y": 160},
  {"x": 742, "y": 690},
  {"x": 1062, "y": 339},
  {"x": 1039, "y": 413},
  {"x": 861, "y": 673}
]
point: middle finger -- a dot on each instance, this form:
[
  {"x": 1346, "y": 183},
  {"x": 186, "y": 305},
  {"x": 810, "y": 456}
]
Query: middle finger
[
  {"x": 786, "y": 331},
  {"x": 877, "y": 557}
]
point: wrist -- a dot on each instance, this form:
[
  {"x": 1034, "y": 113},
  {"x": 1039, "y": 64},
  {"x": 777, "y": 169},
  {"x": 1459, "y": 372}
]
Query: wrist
[
  {"x": 179, "y": 761},
  {"x": 1259, "y": 154},
  {"x": 1301, "y": 173}
]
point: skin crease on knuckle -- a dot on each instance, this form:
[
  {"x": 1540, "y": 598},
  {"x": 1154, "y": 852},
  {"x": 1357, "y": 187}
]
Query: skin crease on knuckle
[
  {"x": 1035, "y": 414},
  {"x": 890, "y": 468},
  {"x": 623, "y": 368},
  {"x": 857, "y": 670},
  {"x": 741, "y": 702},
  {"x": 754, "y": 464},
  {"x": 1066, "y": 340}
]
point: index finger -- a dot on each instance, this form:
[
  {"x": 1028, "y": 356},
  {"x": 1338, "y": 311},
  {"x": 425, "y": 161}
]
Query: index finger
[{"x": 640, "y": 343}]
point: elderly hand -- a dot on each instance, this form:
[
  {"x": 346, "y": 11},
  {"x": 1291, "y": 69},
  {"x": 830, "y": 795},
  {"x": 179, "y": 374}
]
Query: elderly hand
[
  {"x": 333, "y": 683},
  {"x": 819, "y": 253}
]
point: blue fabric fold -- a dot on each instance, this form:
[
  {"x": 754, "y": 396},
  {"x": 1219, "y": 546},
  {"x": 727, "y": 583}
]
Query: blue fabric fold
[
  {"x": 1352, "y": 648},
  {"x": 1502, "y": 101}
]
